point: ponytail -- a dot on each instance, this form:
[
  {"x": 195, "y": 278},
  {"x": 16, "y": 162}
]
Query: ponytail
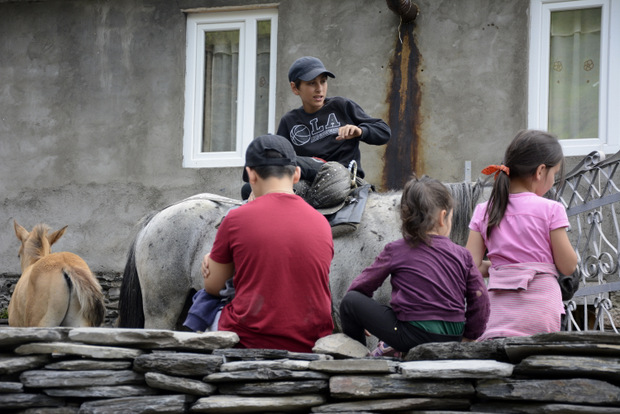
[
  {"x": 528, "y": 150},
  {"x": 498, "y": 202}
]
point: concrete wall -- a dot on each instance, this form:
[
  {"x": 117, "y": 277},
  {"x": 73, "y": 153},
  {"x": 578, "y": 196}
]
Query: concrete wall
[
  {"x": 474, "y": 82},
  {"x": 91, "y": 102}
]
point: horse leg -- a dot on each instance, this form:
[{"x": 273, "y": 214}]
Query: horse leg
[
  {"x": 17, "y": 305},
  {"x": 168, "y": 254},
  {"x": 74, "y": 315},
  {"x": 163, "y": 298},
  {"x": 163, "y": 311},
  {"x": 48, "y": 299}
]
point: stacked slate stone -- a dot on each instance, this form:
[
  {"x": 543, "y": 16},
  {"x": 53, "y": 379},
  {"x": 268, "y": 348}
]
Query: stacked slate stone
[{"x": 105, "y": 370}]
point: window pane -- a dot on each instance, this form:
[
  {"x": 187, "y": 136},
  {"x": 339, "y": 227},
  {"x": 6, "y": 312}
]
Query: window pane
[
  {"x": 220, "y": 95},
  {"x": 263, "y": 44},
  {"x": 574, "y": 69}
]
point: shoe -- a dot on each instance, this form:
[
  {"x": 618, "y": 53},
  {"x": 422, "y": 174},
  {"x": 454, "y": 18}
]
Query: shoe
[{"x": 384, "y": 350}]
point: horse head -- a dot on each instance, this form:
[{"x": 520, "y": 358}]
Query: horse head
[{"x": 35, "y": 244}]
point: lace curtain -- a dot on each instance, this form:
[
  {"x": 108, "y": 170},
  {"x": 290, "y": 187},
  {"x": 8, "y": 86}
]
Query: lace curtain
[{"x": 574, "y": 73}]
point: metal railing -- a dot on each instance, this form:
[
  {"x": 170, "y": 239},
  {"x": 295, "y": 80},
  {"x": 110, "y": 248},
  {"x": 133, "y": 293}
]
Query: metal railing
[{"x": 591, "y": 195}]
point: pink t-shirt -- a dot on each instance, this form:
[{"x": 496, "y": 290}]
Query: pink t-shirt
[
  {"x": 523, "y": 234},
  {"x": 522, "y": 240}
]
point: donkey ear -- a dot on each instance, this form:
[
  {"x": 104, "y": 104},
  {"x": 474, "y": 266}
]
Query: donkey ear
[
  {"x": 53, "y": 238},
  {"x": 20, "y": 232}
]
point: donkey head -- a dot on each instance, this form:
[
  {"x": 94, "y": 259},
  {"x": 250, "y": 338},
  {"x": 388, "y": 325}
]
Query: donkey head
[{"x": 35, "y": 244}]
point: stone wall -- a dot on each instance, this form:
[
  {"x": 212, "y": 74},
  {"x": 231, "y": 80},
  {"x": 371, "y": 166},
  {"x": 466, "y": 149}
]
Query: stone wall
[{"x": 101, "y": 370}]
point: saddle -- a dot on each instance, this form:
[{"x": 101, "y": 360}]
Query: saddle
[{"x": 335, "y": 191}]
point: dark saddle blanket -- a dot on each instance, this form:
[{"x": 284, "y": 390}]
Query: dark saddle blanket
[{"x": 335, "y": 191}]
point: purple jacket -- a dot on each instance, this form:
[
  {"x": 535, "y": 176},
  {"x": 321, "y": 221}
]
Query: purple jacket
[{"x": 437, "y": 282}]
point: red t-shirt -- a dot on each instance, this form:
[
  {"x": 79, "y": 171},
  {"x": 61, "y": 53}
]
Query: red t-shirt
[{"x": 282, "y": 250}]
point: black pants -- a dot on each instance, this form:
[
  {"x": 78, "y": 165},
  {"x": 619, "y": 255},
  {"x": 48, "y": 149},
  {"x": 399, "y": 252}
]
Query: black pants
[{"x": 359, "y": 312}]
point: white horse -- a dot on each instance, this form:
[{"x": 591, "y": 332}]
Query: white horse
[{"x": 163, "y": 265}]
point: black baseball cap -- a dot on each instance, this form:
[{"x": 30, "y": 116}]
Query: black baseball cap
[
  {"x": 255, "y": 155},
  {"x": 307, "y": 68}
]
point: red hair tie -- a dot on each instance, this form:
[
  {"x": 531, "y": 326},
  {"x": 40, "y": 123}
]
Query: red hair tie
[{"x": 496, "y": 169}]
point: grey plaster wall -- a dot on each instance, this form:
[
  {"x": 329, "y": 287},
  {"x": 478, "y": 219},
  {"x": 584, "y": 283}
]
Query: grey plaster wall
[
  {"x": 355, "y": 41},
  {"x": 474, "y": 82},
  {"x": 91, "y": 122},
  {"x": 91, "y": 102}
]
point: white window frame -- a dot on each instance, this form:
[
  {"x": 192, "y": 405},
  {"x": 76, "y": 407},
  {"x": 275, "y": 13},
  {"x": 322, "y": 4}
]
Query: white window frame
[
  {"x": 608, "y": 140},
  {"x": 246, "y": 22}
]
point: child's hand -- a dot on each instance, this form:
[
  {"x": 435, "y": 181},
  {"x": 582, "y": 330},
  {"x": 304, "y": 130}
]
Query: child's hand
[
  {"x": 484, "y": 268},
  {"x": 204, "y": 267},
  {"x": 348, "y": 132},
  {"x": 367, "y": 333}
]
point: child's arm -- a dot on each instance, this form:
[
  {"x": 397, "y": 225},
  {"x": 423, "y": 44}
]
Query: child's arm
[
  {"x": 475, "y": 245},
  {"x": 374, "y": 275},
  {"x": 215, "y": 274},
  {"x": 478, "y": 307},
  {"x": 374, "y": 131},
  {"x": 564, "y": 255},
  {"x": 348, "y": 132}
]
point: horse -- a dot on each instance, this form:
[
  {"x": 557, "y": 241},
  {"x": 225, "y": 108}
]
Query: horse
[
  {"x": 55, "y": 289},
  {"x": 162, "y": 271}
]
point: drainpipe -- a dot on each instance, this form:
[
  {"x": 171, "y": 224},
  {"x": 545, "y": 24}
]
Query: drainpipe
[
  {"x": 404, "y": 95},
  {"x": 406, "y": 9}
]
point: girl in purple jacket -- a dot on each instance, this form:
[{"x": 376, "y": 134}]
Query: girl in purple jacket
[{"x": 438, "y": 293}]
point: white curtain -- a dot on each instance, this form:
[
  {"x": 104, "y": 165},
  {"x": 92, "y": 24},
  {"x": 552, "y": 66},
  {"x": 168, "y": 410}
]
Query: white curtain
[
  {"x": 574, "y": 73},
  {"x": 220, "y": 95}
]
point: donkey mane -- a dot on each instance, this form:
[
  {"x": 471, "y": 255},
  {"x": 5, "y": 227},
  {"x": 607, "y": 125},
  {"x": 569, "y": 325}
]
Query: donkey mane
[{"x": 35, "y": 246}]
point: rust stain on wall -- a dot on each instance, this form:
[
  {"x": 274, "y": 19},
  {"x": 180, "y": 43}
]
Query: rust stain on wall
[{"x": 401, "y": 154}]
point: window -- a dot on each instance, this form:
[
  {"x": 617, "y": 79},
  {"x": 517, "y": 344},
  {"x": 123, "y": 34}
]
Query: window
[
  {"x": 574, "y": 76},
  {"x": 229, "y": 85}
]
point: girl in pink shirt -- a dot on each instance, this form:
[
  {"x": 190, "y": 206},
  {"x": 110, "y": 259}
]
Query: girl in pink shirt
[{"x": 524, "y": 237}]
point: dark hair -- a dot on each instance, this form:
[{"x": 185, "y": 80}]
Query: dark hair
[
  {"x": 422, "y": 199},
  {"x": 278, "y": 171},
  {"x": 528, "y": 150}
]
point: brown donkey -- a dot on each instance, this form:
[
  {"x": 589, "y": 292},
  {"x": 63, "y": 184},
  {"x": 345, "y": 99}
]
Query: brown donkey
[{"x": 55, "y": 289}]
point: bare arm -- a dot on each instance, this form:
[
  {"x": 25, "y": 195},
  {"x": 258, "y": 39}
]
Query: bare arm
[
  {"x": 216, "y": 274},
  {"x": 475, "y": 245},
  {"x": 564, "y": 255}
]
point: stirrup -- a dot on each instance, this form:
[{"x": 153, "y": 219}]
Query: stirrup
[{"x": 353, "y": 170}]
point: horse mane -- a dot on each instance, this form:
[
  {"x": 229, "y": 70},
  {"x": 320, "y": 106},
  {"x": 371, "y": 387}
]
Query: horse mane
[
  {"x": 34, "y": 247},
  {"x": 465, "y": 196}
]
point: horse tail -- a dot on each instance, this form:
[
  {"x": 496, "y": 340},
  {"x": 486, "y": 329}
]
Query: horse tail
[
  {"x": 130, "y": 303},
  {"x": 89, "y": 294},
  {"x": 130, "y": 310}
]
